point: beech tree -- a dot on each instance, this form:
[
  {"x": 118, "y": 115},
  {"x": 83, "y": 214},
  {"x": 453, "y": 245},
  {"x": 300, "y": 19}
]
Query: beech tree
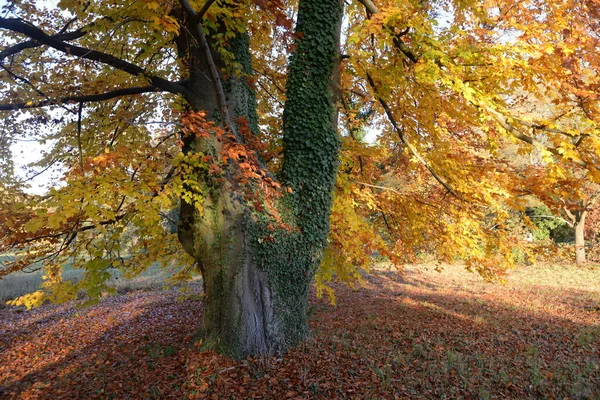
[
  {"x": 257, "y": 254},
  {"x": 253, "y": 130}
]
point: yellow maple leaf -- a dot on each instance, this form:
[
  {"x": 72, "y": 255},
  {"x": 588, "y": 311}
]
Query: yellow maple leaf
[{"x": 152, "y": 5}]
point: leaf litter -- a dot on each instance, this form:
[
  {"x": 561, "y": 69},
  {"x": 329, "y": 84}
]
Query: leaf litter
[{"x": 415, "y": 334}]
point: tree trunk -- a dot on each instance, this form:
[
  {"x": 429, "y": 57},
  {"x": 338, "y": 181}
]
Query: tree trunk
[
  {"x": 256, "y": 268},
  {"x": 239, "y": 314},
  {"x": 579, "y": 225}
]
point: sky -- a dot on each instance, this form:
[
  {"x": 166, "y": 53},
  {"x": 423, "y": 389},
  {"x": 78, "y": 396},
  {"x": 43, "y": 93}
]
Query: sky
[{"x": 26, "y": 152}]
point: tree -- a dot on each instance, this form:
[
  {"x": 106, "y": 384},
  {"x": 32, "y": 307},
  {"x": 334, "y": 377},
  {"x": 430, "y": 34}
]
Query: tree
[
  {"x": 257, "y": 254},
  {"x": 249, "y": 153},
  {"x": 574, "y": 208},
  {"x": 455, "y": 108}
]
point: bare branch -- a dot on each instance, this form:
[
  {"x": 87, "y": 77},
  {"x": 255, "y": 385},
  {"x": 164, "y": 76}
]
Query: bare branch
[
  {"x": 371, "y": 8},
  {"x": 20, "y": 26},
  {"x": 553, "y": 217},
  {"x": 84, "y": 98}
]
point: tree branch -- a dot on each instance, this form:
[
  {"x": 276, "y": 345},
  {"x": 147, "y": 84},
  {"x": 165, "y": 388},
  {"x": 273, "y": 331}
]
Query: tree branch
[
  {"x": 30, "y": 44},
  {"x": 409, "y": 145},
  {"x": 408, "y": 53},
  {"x": 28, "y": 82},
  {"x": 270, "y": 79},
  {"x": 20, "y": 26},
  {"x": 371, "y": 8},
  {"x": 205, "y": 8},
  {"x": 79, "y": 148},
  {"x": 544, "y": 128},
  {"x": 553, "y": 217},
  {"x": 84, "y": 98},
  {"x": 503, "y": 122},
  {"x": 23, "y": 80},
  {"x": 212, "y": 67},
  {"x": 398, "y": 42}
]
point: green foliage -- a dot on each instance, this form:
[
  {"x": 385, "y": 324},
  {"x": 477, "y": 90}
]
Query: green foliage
[{"x": 548, "y": 226}]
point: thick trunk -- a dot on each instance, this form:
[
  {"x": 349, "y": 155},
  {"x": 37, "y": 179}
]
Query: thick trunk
[
  {"x": 579, "y": 226},
  {"x": 239, "y": 315},
  {"x": 256, "y": 269}
]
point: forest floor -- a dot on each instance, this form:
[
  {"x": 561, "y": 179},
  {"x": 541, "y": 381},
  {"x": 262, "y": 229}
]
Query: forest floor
[{"x": 417, "y": 334}]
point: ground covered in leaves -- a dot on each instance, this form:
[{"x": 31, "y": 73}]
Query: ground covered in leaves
[{"x": 416, "y": 334}]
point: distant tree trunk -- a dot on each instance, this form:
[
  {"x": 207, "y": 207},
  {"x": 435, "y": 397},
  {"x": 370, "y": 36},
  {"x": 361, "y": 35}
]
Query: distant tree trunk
[
  {"x": 579, "y": 227},
  {"x": 256, "y": 271}
]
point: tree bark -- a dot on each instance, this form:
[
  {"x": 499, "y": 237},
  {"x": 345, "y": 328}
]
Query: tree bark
[
  {"x": 257, "y": 269},
  {"x": 579, "y": 227}
]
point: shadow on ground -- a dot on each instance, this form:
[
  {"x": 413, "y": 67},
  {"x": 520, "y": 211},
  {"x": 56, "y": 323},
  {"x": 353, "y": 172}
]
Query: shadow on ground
[{"x": 401, "y": 336}]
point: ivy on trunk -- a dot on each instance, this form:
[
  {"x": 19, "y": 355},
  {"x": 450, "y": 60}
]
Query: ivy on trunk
[{"x": 256, "y": 270}]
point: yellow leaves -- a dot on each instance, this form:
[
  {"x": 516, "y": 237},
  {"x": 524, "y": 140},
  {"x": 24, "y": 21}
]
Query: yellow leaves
[
  {"x": 546, "y": 155},
  {"x": 151, "y": 5},
  {"x": 469, "y": 94},
  {"x": 116, "y": 202},
  {"x": 556, "y": 172},
  {"x": 568, "y": 151},
  {"x": 33, "y": 225},
  {"x": 594, "y": 174},
  {"x": 567, "y": 51},
  {"x": 30, "y": 301},
  {"x": 166, "y": 22},
  {"x": 427, "y": 72},
  {"x": 353, "y": 39}
]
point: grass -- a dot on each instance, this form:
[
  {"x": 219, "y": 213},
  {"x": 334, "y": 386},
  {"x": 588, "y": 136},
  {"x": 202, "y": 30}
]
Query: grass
[{"x": 20, "y": 283}]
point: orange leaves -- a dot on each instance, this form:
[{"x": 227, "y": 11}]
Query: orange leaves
[
  {"x": 405, "y": 335},
  {"x": 277, "y": 9},
  {"x": 69, "y": 356},
  {"x": 230, "y": 161},
  {"x": 195, "y": 124}
]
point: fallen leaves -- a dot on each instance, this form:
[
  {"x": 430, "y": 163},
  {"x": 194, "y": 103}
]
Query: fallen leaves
[{"x": 416, "y": 335}]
